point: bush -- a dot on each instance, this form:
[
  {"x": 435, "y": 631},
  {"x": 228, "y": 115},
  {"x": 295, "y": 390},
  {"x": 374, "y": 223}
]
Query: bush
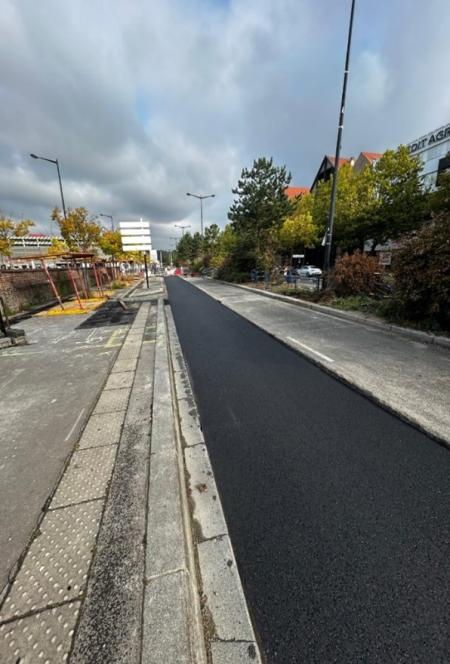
[
  {"x": 422, "y": 273},
  {"x": 357, "y": 274}
]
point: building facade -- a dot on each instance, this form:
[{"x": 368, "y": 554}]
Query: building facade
[{"x": 433, "y": 150}]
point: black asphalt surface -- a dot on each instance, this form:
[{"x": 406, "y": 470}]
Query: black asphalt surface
[{"x": 337, "y": 510}]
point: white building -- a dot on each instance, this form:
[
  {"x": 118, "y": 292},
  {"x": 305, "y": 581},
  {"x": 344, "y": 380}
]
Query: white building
[{"x": 433, "y": 150}]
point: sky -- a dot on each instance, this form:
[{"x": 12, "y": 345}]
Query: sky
[{"x": 144, "y": 100}]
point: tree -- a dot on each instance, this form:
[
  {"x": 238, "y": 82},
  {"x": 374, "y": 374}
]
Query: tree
[
  {"x": 110, "y": 242},
  {"x": 440, "y": 197},
  {"x": 422, "y": 273},
  {"x": 57, "y": 247},
  {"x": 401, "y": 202},
  {"x": 211, "y": 238},
  {"x": 10, "y": 229},
  {"x": 261, "y": 205},
  {"x": 79, "y": 232},
  {"x": 299, "y": 229}
]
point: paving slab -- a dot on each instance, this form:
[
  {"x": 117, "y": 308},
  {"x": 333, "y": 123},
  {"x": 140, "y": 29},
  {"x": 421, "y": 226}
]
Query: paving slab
[
  {"x": 103, "y": 429},
  {"x": 167, "y": 622},
  {"x": 112, "y": 400},
  {"x": 87, "y": 476},
  {"x": 234, "y": 653},
  {"x": 56, "y": 565},
  {"x": 118, "y": 380},
  {"x": 43, "y": 637}
]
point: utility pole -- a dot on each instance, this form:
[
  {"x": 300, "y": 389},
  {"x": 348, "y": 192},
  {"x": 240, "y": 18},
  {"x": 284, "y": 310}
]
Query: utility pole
[{"x": 329, "y": 233}]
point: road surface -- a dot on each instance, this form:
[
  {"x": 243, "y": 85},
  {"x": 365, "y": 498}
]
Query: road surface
[{"x": 337, "y": 510}]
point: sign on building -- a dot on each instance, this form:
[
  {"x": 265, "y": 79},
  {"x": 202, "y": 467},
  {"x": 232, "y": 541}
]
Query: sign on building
[{"x": 136, "y": 235}]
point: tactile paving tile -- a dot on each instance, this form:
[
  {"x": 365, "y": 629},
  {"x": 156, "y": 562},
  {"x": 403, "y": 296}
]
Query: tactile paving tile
[
  {"x": 111, "y": 401},
  {"x": 117, "y": 380},
  {"x": 124, "y": 365},
  {"x": 103, "y": 429},
  {"x": 57, "y": 562},
  {"x": 44, "y": 637},
  {"x": 87, "y": 476}
]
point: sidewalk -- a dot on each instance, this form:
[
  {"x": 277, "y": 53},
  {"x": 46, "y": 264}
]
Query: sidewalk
[
  {"x": 116, "y": 571},
  {"x": 406, "y": 376}
]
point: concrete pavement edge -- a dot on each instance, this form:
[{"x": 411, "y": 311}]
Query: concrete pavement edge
[{"x": 227, "y": 624}]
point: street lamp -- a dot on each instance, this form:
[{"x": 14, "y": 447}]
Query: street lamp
[
  {"x": 54, "y": 161},
  {"x": 201, "y": 199},
  {"x": 108, "y": 216},
  {"x": 182, "y": 228},
  {"x": 329, "y": 232}
]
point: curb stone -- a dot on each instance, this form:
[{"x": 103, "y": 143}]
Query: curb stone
[
  {"x": 227, "y": 624},
  {"x": 172, "y": 629}
]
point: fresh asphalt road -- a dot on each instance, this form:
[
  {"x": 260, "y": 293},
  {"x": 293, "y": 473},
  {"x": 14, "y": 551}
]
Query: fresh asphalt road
[
  {"x": 46, "y": 391},
  {"x": 337, "y": 510}
]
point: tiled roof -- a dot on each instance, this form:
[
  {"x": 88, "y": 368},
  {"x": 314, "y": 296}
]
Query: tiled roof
[
  {"x": 372, "y": 156},
  {"x": 342, "y": 160},
  {"x": 292, "y": 192}
]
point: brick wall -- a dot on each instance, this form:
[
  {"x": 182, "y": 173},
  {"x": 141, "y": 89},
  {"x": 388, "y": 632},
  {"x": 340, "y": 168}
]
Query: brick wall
[{"x": 24, "y": 289}]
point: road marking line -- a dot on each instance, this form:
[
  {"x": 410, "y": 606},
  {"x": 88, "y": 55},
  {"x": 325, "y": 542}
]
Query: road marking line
[
  {"x": 311, "y": 350},
  {"x": 75, "y": 424}
]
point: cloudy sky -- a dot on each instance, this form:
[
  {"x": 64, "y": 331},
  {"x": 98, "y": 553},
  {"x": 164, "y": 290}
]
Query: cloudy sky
[{"x": 144, "y": 100}]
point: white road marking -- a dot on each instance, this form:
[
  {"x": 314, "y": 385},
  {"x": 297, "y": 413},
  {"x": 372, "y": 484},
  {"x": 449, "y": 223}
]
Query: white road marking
[
  {"x": 75, "y": 424},
  {"x": 7, "y": 382},
  {"x": 311, "y": 350}
]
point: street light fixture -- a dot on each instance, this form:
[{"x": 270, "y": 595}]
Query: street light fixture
[
  {"x": 201, "y": 199},
  {"x": 182, "y": 228},
  {"x": 108, "y": 216},
  {"x": 329, "y": 232},
  {"x": 54, "y": 161}
]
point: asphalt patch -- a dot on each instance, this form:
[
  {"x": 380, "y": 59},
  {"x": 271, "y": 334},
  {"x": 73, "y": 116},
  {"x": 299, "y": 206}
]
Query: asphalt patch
[{"x": 110, "y": 314}]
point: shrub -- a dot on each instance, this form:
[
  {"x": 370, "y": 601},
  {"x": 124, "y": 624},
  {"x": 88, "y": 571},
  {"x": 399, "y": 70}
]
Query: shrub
[
  {"x": 422, "y": 273},
  {"x": 357, "y": 274}
]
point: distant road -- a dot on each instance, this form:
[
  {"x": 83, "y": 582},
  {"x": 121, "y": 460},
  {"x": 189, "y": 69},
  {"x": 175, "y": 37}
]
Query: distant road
[{"x": 338, "y": 511}]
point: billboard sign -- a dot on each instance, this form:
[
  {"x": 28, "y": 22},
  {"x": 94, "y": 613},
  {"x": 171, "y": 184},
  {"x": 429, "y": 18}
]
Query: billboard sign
[{"x": 136, "y": 235}]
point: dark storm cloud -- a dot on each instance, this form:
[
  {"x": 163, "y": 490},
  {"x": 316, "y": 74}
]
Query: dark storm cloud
[{"x": 142, "y": 101}]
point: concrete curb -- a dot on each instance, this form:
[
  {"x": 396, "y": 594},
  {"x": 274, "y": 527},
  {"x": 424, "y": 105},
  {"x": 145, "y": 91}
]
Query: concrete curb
[
  {"x": 172, "y": 628},
  {"x": 417, "y": 335},
  {"x": 228, "y": 629}
]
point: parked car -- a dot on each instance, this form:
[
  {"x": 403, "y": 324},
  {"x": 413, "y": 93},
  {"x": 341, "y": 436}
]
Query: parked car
[{"x": 309, "y": 271}]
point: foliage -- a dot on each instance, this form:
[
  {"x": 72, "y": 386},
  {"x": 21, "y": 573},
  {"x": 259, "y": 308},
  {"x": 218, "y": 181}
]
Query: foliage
[
  {"x": 110, "y": 242},
  {"x": 79, "y": 232},
  {"x": 401, "y": 203},
  {"x": 57, "y": 247},
  {"x": 299, "y": 229},
  {"x": 422, "y": 273},
  {"x": 10, "y": 229},
  {"x": 356, "y": 274},
  {"x": 440, "y": 198},
  {"x": 261, "y": 206}
]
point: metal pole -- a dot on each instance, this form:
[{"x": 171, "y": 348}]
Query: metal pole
[
  {"x": 329, "y": 234},
  {"x": 201, "y": 215},
  {"x": 60, "y": 188},
  {"x": 146, "y": 269}
]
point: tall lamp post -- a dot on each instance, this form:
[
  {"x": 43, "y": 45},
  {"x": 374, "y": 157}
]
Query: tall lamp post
[
  {"x": 182, "y": 228},
  {"x": 107, "y": 216},
  {"x": 54, "y": 161},
  {"x": 201, "y": 199},
  {"x": 329, "y": 233}
]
